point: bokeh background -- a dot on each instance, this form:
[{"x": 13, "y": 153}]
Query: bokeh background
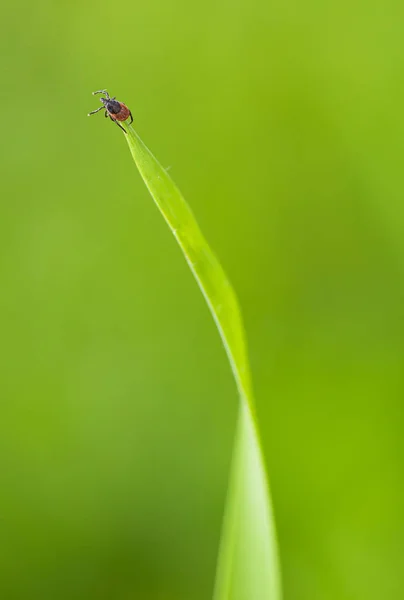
[{"x": 283, "y": 125}]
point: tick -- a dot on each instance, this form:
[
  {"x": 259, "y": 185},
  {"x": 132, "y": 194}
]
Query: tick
[{"x": 116, "y": 111}]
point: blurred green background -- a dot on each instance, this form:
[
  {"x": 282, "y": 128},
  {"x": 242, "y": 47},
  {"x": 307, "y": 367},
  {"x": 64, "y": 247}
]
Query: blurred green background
[{"x": 283, "y": 126}]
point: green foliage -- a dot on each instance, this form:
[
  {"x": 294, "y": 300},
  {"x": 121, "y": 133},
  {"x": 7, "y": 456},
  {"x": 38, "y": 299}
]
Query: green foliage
[
  {"x": 285, "y": 122},
  {"x": 248, "y": 564}
]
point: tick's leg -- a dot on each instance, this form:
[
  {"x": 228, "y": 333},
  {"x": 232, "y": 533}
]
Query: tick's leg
[
  {"x": 102, "y": 92},
  {"x": 95, "y": 111},
  {"x": 131, "y": 118},
  {"x": 106, "y": 114},
  {"x": 119, "y": 125}
]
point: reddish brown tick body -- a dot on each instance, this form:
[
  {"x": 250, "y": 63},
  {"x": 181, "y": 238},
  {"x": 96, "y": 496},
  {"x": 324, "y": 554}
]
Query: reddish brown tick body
[
  {"x": 116, "y": 111},
  {"x": 123, "y": 113}
]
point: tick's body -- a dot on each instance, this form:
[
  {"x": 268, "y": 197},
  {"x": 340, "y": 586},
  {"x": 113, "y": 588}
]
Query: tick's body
[{"x": 116, "y": 111}]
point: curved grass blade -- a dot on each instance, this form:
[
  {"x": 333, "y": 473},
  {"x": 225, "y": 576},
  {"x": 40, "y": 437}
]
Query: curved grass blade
[{"x": 248, "y": 566}]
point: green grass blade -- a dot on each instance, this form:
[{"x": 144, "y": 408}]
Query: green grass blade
[{"x": 248, "y": 561}]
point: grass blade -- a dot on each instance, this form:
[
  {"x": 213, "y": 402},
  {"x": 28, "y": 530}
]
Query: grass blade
[{"x": 248, "y": 561}]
